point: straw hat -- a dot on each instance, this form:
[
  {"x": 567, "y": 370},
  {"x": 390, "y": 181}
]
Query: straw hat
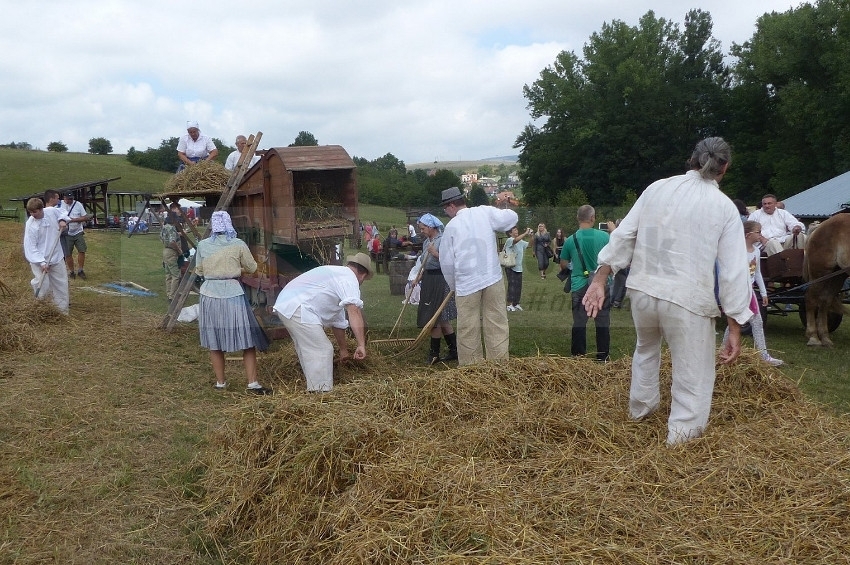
[{"x": 364, "y": 261}]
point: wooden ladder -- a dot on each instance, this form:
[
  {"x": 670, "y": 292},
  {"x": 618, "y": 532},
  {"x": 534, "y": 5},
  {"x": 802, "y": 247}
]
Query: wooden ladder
[{"x": 188, "y": 279}]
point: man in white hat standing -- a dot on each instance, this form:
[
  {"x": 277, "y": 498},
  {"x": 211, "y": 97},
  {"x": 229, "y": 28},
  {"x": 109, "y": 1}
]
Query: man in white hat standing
[
  {"x": 470, "y": 262},
  {"x": 194, "y": 147},
  {"x": 321, "y": 298}
]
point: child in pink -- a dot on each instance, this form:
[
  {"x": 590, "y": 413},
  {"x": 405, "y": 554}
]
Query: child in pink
[{"x": 752, "y": 233}]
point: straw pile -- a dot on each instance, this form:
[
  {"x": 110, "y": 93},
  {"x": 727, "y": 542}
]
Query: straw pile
[
  {"x": 202, "y": 177},
  {"x": 531, "y": 461},
  {"x": 23, "y": 316}
]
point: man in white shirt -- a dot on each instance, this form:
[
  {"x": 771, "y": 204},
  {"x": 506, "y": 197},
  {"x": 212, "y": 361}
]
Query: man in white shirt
[
  {"x": 673, "y": 236},
  {"x": 74, "y": 237},
  {"x": 233, "y": 158},
  {"x": 194, "y": 147},
  {"x": 41, "y": 249},
  {"x": 321, "y": 298},
  {"x": 779, "y": 228},
  {"x": 469, "y": 260}
]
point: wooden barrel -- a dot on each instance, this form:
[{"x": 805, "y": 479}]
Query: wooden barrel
[{"x": 398, "y": 275}]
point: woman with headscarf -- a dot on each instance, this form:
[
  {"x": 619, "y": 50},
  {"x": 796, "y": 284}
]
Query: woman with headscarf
[
  {"x": 194, "y": 147},
  {"x": 433, "y": 291},
  {"x": 225, "y": 319}
]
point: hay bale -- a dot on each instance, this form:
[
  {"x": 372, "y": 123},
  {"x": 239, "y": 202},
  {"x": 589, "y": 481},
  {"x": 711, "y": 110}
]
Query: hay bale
[
  {"x": 205, "y": 176},
  {"x": 529, "y": 461}
]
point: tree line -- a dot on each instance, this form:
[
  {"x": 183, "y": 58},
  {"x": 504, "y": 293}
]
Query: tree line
[{"x": 630, "y": 109}]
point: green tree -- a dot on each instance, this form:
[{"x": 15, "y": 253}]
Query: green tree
[
  {"x": 163, "y": 158},
  {"x": 436, "y": 183},
  {"x": 790, "y": 119},
  {"x": 477, "y": 196},
  {"x": 626, "y": 113},
  {"x": 390, "y": 162},
  {"x": 303, "y": 139},
  {"x": 223, "y": 150},
  {"x": 57, "y": 146},
  {"x": 100, "y": 146}
]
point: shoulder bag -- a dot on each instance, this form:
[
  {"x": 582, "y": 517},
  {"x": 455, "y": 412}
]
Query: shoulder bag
[{"x": 507, "y": 258}]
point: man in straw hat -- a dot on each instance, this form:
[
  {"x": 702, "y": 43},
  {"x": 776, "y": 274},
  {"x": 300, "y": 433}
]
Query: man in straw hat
[
  {"x": 673, "y": 236},
  {"x": 318, "y": 299},
  {"x": 470, "y": 262}
]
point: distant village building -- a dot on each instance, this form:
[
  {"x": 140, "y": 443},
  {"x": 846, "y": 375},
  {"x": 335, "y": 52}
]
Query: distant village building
[
  {"x": 490, "y": 185},
  {"x": 469, "y": 178},
  {"x": 512, "y": 182}
]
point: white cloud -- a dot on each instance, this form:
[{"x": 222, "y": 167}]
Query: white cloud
[{"x": 434, "y": 79}]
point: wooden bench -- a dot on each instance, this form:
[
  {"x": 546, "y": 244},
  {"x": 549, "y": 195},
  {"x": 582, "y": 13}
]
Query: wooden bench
[{"x": 10, "y": 214}]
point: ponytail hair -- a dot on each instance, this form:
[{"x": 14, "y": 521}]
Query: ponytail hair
[{"x": 710, "y": 156}]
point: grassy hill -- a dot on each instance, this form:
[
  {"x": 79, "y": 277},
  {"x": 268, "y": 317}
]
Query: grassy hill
[{"x": 25, "y": 172}]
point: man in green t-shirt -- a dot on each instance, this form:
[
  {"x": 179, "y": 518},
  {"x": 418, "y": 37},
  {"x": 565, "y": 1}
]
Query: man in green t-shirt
[{"x": 581, "y": 249}]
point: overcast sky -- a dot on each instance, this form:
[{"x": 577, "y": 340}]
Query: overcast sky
[{"x": 425, "y": 80}]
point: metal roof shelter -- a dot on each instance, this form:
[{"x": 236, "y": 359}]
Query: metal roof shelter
[
  {"x": 93, "y": 195},
  {"x": 821, "y": 201}
]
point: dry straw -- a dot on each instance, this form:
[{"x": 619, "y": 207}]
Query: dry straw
[
  {"x": 23, "y": 316},
  {"x": 200, "y": 178},
  {"x": 527, "y": 461}
]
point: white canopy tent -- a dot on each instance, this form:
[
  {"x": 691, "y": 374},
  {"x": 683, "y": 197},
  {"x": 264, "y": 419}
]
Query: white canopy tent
[{"x": 186, "y": 203}]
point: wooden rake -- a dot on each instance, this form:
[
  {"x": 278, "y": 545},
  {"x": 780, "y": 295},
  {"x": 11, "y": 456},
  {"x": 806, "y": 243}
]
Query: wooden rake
[{"x": 410, "y": 343}]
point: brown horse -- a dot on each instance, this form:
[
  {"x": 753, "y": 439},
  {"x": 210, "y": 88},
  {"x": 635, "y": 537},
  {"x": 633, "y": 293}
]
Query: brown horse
[{"x": 827, "y": 252}]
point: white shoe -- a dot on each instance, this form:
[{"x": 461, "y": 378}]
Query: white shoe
[
  {"x": 518, "y": 308},
  {"x": 511, "y": 308},
  {"x": 772, "y": 360}
]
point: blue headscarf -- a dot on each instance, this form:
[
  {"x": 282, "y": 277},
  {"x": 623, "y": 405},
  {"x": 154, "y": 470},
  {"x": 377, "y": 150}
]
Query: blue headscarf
[
  {"x": 221, "y": 224},
  {"x": 431, "y": 221}
]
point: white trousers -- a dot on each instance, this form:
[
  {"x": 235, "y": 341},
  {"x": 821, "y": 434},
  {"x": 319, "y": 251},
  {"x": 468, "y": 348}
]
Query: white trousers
[
  {"x": 54, "y": 281},
  {"x": 772, "y": 247},
  {"x": 692, "y": 348},
  {"x": 315, "y": 352}
]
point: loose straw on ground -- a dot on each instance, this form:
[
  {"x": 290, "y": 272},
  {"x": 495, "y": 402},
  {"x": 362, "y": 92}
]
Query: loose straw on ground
[{"x": 529, "y": 461}]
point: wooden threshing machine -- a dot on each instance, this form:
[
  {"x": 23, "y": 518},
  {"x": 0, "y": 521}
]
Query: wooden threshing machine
[{"x": 294, "y": 209}]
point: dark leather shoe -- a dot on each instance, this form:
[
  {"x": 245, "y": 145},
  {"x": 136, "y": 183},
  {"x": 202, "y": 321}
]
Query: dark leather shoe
[{"x": 450, "y": 356}]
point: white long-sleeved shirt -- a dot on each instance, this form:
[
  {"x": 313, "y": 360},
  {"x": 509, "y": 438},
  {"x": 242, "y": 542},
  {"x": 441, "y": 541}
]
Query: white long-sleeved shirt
[
  {"x": 468, "y": 254},
  {"x": 672, "y": 237},
  {"x": 41, "y": 237},
  {"x": 322, "y": 294},
  {"x": 778, "y": 225},
  {"x": 233, "y": 158}
]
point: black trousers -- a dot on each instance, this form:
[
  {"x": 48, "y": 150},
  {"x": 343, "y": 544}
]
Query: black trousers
[
  {"x": 514, "y": 286},
  {"x": 603, "y": 326}
]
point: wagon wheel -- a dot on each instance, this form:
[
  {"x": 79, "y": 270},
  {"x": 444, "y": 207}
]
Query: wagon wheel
[{"x": 833, "y": 319}]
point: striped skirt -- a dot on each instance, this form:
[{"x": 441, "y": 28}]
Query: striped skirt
[{"x": 229, "y": 324}]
